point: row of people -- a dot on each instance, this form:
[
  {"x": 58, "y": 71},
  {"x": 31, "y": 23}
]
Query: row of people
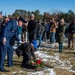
[{"x": 44, "y": 30}]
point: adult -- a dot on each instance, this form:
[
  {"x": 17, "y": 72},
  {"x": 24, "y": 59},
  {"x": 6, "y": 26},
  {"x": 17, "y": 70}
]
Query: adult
[
  {"x": 48, "y": 30},
  {"x": 9, "y": 31},
  {"x": 44, "y": 32},
  {"x": 6, "y": 19},
  {"x": 32, "y": 28},
  {"x": 40, "y": 30},
  {"x": 71, "y": 34},
  {"x": 61, "y": 31},
  {"x": 52, "y": 31},
  {"x": 24, "y": 32}
]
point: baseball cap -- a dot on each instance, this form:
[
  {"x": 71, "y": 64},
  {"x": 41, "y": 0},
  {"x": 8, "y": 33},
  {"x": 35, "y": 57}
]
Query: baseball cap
[{"x": 31, "y": 15}]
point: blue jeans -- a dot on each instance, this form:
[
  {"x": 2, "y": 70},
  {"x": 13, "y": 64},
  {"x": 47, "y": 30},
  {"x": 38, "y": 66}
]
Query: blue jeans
[
  {"x": 6, "y": 49},
  {"x": 52, "y": 37},
  {"x": 60, "y": 47},
  {"x": 40, "y": 39},
  {"x": 44, "y": 36}
]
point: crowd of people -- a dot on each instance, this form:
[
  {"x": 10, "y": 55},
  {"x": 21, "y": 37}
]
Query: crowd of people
[{"x": 23, "y": 31}]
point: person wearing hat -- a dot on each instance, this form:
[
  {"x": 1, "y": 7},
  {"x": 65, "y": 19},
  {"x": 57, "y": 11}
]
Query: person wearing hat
[
  {"x": 32, "y": 28},
  {"x": 60, "y": 33},
  {"x": 20, "y": 25},
  {"x": 6, "y": 19},
  {"x": 8, "y": 32},
  {"x": 71, "y": 34}
]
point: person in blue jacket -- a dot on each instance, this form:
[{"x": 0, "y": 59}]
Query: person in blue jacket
[{"x": 8, "y": 32}]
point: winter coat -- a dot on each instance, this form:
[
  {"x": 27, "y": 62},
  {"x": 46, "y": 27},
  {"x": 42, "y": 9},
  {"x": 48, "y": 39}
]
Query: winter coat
[
  {"x": 32, "y": 27},
  {"x": 45, "y": 26},
  {"x": 48, "y": 28},
  {"x": 60, "y": 33},
  {"x": 19, "y": 29},
  {"x": 71, "y": 29},
  {"x": 40, "y": 29},
  {"x": 53, "y": 27},
  {"x": 32, "y": 30}
]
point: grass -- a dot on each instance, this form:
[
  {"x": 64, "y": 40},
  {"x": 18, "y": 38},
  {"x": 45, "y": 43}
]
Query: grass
[
  {"x": 67, "y": 54},
  {"x": 16, "y": 68},
  {"x": 51, "y": 53},
  {"x": 62, "y": 72},
  {"x": 72, "y": 62}
]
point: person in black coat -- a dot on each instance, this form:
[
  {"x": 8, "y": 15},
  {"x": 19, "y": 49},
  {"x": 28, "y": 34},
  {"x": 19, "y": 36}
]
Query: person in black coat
[
  {"x": 27, "y": 51},
  {"x": 71, "y": 34},
  {"x": 32, "y": 28}
]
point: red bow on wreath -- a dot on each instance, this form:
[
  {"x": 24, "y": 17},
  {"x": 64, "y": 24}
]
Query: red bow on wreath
[{"x": 38, "y": 62}]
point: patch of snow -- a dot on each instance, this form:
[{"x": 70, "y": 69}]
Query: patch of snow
[
  {"x": 45, "y": 60},
  {"x": 48, "y": 71},
  {"x": 14, "y": 72},
  {"x": 54, "y": 45},
  {"x": 20, "y": 71},
  {"x": 64, "y": 64}
]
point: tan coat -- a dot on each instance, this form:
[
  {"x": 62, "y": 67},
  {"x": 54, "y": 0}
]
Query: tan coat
[{"x": 53, "y": 27}]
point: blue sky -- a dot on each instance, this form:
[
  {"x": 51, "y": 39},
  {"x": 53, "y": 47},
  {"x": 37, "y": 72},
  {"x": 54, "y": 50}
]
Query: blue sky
[{"x": 9, "y": 6}]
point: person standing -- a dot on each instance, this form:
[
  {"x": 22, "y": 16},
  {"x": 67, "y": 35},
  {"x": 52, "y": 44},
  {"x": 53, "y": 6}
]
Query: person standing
[
  {"x": 6, "y": 19},
  {"x": 52, "y": 30},
  {"x": 32, "y": 28},
  {"x": 24, "y": 32},
  {"x": 40, "y": 30},
  {"x": 71, "y": 34},
  {"x": 60, "y": 32},
  {"x": 20, "y": 31},
  {"x": 8, "y": 32},
  {"x": 44, "y": 32},
  {"x": 48, "y": 30}
]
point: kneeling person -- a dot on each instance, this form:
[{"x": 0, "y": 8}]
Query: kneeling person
[{"x": 27, "y": 53}]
